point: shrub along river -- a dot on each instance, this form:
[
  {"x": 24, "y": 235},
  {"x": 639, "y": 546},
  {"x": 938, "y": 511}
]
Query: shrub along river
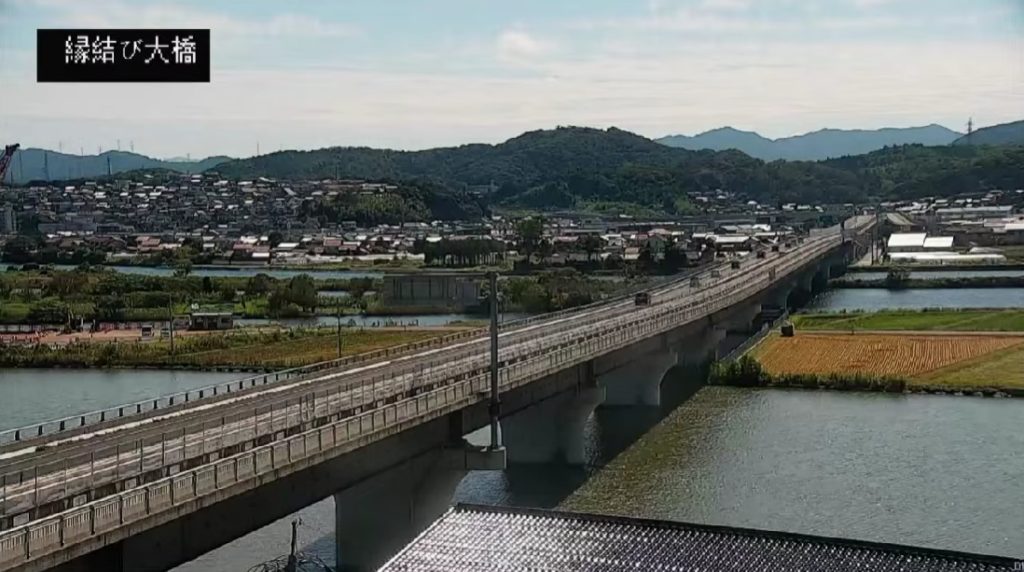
[{"x": 929, "y": 470}]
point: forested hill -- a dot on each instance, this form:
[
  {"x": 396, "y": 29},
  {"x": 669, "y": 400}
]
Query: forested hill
[
  {"x": 1002, "y": 134},
  {"x": 42, "y": 164},
  {"x": 613, "y": 169}
]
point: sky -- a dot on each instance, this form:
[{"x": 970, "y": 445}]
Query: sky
[{"x": 412, "y": 74}]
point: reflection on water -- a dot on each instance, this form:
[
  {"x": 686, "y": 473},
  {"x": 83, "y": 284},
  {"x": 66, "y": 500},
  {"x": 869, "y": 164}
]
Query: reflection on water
[
  {"x": 922, "y": 470},
  {"x": 872, "y": 299}
]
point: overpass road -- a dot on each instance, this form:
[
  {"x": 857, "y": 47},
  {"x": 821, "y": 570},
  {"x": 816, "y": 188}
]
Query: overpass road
[{"x": 45, "y": 480}]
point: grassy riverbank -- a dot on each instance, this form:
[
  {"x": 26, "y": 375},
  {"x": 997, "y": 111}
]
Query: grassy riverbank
[
  {"x": 243, "y": 349},
  {"x": 926, "y": 320}
]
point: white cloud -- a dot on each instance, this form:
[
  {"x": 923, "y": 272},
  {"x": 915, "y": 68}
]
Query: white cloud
[
  {"x": 726, "y": 5},
  {"x": 517, "y": 46}
]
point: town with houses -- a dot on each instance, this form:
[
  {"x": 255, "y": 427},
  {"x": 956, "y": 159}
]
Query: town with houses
[{"x": 259, "y": 222}]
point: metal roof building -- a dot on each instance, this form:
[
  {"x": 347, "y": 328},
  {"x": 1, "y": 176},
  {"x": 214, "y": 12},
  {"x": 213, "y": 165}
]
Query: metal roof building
[
  {"x": 475, "y": 539},
  {"x": 904, "y": 241}
]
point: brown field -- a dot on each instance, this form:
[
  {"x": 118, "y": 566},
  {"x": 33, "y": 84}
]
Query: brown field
[{"x": 897, "y": 355}]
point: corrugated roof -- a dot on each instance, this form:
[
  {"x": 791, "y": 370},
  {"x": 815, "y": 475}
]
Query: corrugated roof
[
  {"x": 905, "y": 239},
  {"x": 938, "y": 242},
  {"x": 473, "y": 538}
]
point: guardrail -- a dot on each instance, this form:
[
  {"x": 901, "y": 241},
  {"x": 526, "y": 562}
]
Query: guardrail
[
  {"x": 466, "y": 383},
  {"x": 162, "y": 402}
]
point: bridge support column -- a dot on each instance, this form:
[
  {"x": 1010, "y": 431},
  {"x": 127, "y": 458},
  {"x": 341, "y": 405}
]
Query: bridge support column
[
  {"x": 639, "y": 381},
  {"x": 702, "y": 347},
  {"x": 552, "y": 430},
  {"x": 742, "y": 319},
  {"x": 378, "y": 516},
  {"x": 779, "y": 298}
]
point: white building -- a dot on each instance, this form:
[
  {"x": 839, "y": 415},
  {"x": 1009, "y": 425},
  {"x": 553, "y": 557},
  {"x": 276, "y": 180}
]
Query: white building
[{"x": 906, "y": 242}]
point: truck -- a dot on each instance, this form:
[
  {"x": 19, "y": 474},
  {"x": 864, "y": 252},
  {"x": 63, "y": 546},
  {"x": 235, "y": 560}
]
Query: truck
[
  {"x": 642, "y": 299},
  {"x": 735, "y": 264}
]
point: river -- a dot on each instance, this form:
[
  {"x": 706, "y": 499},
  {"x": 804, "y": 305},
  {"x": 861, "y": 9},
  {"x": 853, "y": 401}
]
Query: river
[
  {"x": 873, "y": 299},
  {"x": 923, "y": 470},
  {"x": 940, "y": 274},
  {"x": 34, "y": 395}
]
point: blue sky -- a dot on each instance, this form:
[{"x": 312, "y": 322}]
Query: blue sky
[{"x": 415, "y": 74}]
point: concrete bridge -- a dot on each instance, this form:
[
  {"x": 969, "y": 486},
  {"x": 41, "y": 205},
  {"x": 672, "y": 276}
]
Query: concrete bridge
[{"x": 148, "y": 489}]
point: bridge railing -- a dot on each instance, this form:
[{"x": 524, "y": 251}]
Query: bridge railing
[
  {"x": 137, "y": 408},
  {"x": 199, "y": 484},
  {"x": 203, "y": 485}
]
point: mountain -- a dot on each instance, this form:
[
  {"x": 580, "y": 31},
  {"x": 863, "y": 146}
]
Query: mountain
[
  {"x": 615, "y": 171},
  {"x": 1002, "y": 134},
  {"x": 32, "y": 164},
  {"x": 814, "y": 146}
]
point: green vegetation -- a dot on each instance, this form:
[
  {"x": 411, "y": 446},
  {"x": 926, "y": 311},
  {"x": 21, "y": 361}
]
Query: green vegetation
[
  {"x": 609, "y": 170},
  {"x": 413, "y": 200},
  {"x": 748, "y": 372},
  {"x": 553, "y": 290},
  {"x": 49, "y": 296},
  {"x": 239, "y": 349},
  {"x": 941, "y": 320}
]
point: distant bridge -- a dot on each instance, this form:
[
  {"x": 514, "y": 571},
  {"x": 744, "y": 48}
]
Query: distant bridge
[{"x": 147, "y": 486}]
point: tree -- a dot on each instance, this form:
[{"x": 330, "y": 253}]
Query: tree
[
  {"x": 302, "y": 292},
  {"x": 275, "y": 237},
  {"x": 591, "y": 244},
  {"x": 19, "y": 249},
  {"x": 64, "y": 284},
  {"x": 227, "y": 292},
  {"x": 530, "y": 231},
  {"x": 258, "y": 285},
  {"x": 897, "y": 277},
  {"x": 182, "y": 267}
]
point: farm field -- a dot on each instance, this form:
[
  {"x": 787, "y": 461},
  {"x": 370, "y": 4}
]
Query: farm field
[
  {"x": 913, "y": 356},
  {"x": 943, "y": 320}
]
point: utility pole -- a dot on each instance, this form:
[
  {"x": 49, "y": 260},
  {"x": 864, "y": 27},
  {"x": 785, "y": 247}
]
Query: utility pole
[
  {"x": 495, "y": 407},
  {"x": 170, "y": 322},
  {"x": 337, "y": 313}
]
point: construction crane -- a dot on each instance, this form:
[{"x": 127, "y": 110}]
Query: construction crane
[{"x": 5, "y": 159}]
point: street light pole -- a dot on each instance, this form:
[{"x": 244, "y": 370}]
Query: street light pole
[{"x": 495, "y": 406}]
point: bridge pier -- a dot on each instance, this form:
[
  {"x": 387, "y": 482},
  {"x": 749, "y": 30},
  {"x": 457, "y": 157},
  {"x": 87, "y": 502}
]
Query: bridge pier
[
  {"x": 376, "y": 517},
  {"x": 742, "y": 319},
  {"x": 639, "y": 381},
  {"x": 552, "y": 430},
  {"x": 702, "y": 347}
]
